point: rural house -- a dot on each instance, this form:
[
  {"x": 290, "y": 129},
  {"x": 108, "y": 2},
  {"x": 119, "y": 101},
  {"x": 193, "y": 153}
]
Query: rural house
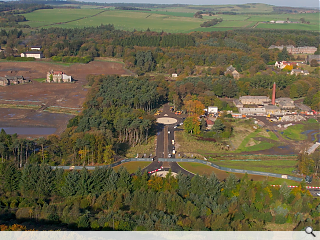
[
  {"x": 35, "y": 54},
  {"x": 4, "y": 81},
  {"x": 299, "y": 71},
  {"x": 232, "y": 71},
  {"x": 58, "y": 77},
  {"x": 283, "y": 64},
  {"x": 7, "y": 80}
]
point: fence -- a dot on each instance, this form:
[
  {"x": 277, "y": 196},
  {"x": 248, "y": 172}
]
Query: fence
[{"x": 230, "y": 169}]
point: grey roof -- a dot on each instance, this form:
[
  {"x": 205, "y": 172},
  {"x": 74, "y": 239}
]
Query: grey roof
[
  {"x": 33, "y": 52},
  {"x": 253, "y": 97},
  {"x": 271, "y": 107}
]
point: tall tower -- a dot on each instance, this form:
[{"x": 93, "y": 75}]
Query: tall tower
[{"x": 274, "y": 94}]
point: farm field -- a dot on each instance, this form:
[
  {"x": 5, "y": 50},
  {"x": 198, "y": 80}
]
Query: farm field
[
  {"x": 174, "y": 20},
  {"x": 201, "y": 169},
  {"x": 132, "y": 166}
]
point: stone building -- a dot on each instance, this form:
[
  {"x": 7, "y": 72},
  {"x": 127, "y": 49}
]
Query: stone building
[
  {"x": 254, "y": 100},
  {"x": 285, "y": 103},
  {"x": 58, "y": 77},
  {"x": 232, "y": 71}
]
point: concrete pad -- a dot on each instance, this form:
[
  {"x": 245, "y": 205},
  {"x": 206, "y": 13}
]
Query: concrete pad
[
  {"x": 164, "y": 173},
  {"x": 167, "y": 120}
]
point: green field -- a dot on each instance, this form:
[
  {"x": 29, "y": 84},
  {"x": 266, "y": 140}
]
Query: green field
[
  {"x": 173, "y": 20},
  {"x": 294, "y": 132},
  {"x": 306, "y": 27}
]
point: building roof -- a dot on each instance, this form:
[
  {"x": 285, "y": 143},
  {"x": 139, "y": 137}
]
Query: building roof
[
  {"x": 209, "y": 122},
  {"x": 33, "y": 52},
  {"x": 271, "y": 107},
  {"x": 39, "y": 46},
  {"x": 253, "y": 97}
]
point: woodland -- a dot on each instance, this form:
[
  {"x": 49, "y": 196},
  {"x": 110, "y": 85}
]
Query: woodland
[{"x": 38, "y": 196}]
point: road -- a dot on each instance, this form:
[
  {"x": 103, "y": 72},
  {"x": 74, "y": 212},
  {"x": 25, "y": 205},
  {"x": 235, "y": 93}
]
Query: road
[{"x": 165, "y": 142}]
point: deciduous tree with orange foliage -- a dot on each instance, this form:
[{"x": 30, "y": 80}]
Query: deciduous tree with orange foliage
[{"x": 194, "y": 107}]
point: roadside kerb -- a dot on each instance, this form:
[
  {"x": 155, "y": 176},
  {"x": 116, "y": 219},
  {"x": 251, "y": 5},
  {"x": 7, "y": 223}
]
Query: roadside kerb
[{"x": 230, "y": 169}]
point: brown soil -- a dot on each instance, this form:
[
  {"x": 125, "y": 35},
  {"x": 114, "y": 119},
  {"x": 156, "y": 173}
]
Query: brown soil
[{"x": 65, "y": 95}]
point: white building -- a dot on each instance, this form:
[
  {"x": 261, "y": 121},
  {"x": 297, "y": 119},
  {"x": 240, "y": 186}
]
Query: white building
[
  {"x": 212, "y": 109},
  {"x": 35, "y": 54}
]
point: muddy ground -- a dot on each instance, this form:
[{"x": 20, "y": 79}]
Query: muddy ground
[{"x": 65, "y": 95}]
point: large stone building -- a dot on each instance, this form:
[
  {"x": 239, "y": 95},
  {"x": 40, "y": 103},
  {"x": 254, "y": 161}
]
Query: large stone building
[
  {"x": 254, "y": 100},
  {"x": 296, "y": 50},
  {"x": 58, "y": 77},
  {"x": 285, "y": 103},
  {"x": 252, "y": 111}
]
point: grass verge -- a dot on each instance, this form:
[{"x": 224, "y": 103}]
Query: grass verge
[
  {"x": 273, "y": 166},
  {"x": 201, "y": 169},
  {"x": 132, "y": 166}
]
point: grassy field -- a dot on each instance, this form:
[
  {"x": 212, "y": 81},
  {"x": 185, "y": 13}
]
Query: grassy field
[
  {"x": 294, "y": 132},
  {"x": 202, "y": 169},
  {"x": 167, "y": 19},
  {"x": 189, "y": 145},
  {"x": 147, "y": 149},
  {"x": 39, "y": 79},
  {"x": 132, "y": 166},
  {"x": 297, "y": 26}
]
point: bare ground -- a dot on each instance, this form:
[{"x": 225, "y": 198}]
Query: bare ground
[{"x": 45, "y": 95}]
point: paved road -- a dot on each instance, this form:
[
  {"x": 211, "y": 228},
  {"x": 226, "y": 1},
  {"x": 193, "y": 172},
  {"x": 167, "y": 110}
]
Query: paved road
[
  {"x": 165, "y": 135},
  {"x": 153, "y": 166}
]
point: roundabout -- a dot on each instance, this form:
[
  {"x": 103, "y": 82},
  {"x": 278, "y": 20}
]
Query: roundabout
[{"x": 167, "y": 120}]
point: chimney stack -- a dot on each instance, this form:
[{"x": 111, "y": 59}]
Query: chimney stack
[{"x": 274, "y": 94}]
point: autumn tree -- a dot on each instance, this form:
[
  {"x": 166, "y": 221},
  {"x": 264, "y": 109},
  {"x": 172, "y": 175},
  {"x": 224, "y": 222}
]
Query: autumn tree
[{"x": 194, "y": 107}]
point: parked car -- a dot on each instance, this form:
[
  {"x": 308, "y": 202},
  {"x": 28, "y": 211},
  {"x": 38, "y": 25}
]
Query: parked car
[{"x": 318, "y": 194}]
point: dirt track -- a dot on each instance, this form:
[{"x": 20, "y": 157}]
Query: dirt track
[{"x": 66, "y": 95}]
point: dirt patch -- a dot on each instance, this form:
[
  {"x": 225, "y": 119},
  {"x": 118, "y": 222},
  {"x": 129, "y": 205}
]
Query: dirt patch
[
  {"x": 69, "y": 96},
  {"x": 31, "y": 118}
]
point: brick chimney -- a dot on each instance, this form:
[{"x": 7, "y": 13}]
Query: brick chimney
[{"x": 274, "y": 94}]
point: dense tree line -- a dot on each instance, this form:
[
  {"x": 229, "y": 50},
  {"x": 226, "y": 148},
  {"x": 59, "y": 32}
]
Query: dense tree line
[
  {"x": 109, "y": 200},
  {"x": 212, "y": 22}
]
